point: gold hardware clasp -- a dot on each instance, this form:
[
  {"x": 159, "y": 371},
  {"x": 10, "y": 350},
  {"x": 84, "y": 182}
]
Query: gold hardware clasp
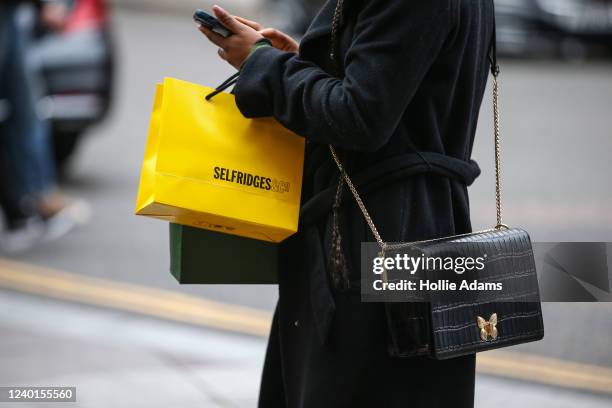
[{"x": 487, "y": 328}]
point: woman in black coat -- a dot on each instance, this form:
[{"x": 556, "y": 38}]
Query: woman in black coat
[{"x": 396, "y": 87}]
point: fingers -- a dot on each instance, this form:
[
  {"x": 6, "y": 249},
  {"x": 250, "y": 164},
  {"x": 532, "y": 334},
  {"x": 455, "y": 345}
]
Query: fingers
[
  {"x": 222, "y": 54},
  {"x": 253, "y": 24},
  {"x": 227, "y": 19},
  {"x": 280, "y": 40},
  {"x": 271, "y": 34},
  {"x": 235, "y": 48},
  {"x": 213, "y": 37}
]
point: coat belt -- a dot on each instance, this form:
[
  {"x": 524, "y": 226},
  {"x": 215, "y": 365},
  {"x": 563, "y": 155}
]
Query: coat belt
[{"x": 392, "y": 171}]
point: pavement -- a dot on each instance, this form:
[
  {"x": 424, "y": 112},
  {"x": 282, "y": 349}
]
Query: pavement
[
  {"x": 117, "y": 359},
  {"x": 69, "y": 313}
]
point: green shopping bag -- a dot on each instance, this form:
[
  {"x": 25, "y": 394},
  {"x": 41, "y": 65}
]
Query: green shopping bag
[{"x": 199, "y": 256}]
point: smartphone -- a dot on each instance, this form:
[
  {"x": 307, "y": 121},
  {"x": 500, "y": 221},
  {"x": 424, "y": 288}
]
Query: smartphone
[{"x": 211, "y": 23}]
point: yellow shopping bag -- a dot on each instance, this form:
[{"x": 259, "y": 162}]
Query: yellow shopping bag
[{"x": 207, "y": 166}]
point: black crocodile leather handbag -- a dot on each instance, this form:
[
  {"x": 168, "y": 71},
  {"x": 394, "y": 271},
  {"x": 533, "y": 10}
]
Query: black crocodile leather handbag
[
  {"x": 466, "y": 324},
  {"x": 463, "y": 326}
]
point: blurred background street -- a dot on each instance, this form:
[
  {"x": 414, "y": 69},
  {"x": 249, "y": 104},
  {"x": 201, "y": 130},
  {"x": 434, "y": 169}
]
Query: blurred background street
[{"x": 99, "y": 310}]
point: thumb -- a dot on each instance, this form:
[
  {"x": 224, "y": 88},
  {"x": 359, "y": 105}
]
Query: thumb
[{"x": 227, "y": 19}]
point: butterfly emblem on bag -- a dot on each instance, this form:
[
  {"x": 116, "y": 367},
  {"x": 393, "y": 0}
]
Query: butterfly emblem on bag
[{"x": 488, "y": 329}]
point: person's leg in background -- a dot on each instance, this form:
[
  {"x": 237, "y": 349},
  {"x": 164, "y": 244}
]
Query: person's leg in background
[
  {"x": 33, "y": 210},
  {"x": 27, "y": 171}
]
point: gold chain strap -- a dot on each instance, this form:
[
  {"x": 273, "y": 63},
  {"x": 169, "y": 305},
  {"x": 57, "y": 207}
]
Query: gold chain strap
[
  {"x": 336, "y": 20},
  {"x": 496, "y": 131},
  {"x": 357, "y": 197}
]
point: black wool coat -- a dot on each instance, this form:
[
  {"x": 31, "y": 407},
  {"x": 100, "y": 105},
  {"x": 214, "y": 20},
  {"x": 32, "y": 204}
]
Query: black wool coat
[{"x": 413, "y": 78}]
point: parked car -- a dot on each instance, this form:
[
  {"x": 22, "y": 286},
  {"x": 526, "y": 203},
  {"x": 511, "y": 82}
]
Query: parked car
[
  {"x": 562, "y": 28},
  {"x": 77, "y": 68}
]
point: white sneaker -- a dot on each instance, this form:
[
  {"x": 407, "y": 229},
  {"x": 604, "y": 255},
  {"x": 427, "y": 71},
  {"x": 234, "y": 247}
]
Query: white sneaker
[
  {"x": 36, "y": 230},
  {"x": 23, "y": 238},
  {"x": 75, "y": 214}
]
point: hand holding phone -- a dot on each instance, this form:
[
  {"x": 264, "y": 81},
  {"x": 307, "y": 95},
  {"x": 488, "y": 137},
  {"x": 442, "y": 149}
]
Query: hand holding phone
[
  {"x": 210, "y": 22},
  {"x": 234, "y": 38}
]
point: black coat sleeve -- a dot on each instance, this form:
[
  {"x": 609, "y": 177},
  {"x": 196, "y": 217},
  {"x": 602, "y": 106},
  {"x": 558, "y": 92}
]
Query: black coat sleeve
[{"x": 393, "y": 46}]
